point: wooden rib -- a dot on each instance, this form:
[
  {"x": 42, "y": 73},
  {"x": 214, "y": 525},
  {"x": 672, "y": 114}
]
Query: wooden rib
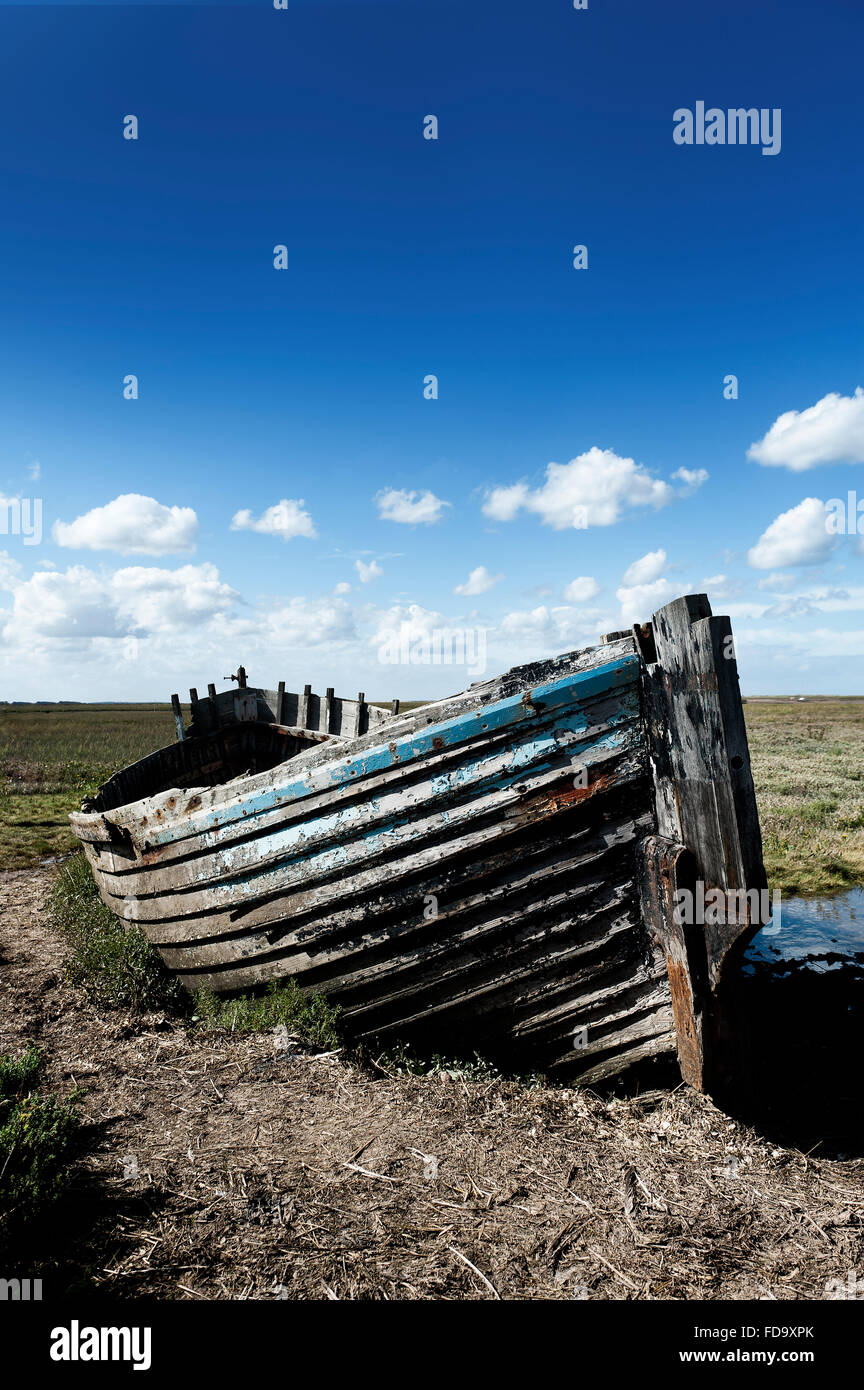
[{"x": 178, "y": 718}]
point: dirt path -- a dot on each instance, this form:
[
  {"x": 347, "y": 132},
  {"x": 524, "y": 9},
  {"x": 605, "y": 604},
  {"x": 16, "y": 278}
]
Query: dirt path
[{"x": 227, "y": 1167}]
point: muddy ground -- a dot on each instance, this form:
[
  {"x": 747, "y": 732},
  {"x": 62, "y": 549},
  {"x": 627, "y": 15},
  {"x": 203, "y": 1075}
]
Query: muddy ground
[{"x": 217, "y": 1167}]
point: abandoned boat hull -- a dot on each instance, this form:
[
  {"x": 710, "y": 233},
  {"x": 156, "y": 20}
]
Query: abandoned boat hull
[
  {"x": 470, "y": 875},
  {"x": 458, "y": 879}
]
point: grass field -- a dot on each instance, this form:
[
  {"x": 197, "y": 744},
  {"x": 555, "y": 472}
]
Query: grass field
[
  {"x": 808, "y": 765},
  {"x": 53, "y": 755}
]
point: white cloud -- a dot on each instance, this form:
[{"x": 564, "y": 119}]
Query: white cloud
[
  {"x": 286, "y": 519},
  {"x": 691, "y": 478},
  {"x": 366, "y": 573},
  {"x": 639, "y": 601},
  {"x": 819, "y": 644},
  {"x": 504, "y": 503},
  {"x": 75, "y": 603},
  {"x": 552, "y": 629},
  {"x": 776, "y": 581},
  {"x": 34, "y": 471},
  {"x": 718, "y": 583},
  {"x": 10, "y": 571},
  {"x": 813, "y": 600},
  {"x": 794, "y": 606},
  {"x": 132, "y": 525},
  {"x": 582, "y": 589},
  {"x": 594, "y": 489},
  {"x": 144, "y": 631},
  {"x": 79, "y": 603},
  {"x": 849, "y": 600},
  {"x": 410, "y": 508},
  {"x": 546, "y": 630},
  {"x": 479, "y": 581},
  {"x": 342, "y": 588},
  {"x": 308, "y": 622},
  {"x": 797, "y": 537},
  {"x": 154, "y": 600},
  {"x": 646, "y": 569},
  {"x": 413, "y": 620},
  {"x": 534, "y": 622},
  {"x": 831, "y": 431}
]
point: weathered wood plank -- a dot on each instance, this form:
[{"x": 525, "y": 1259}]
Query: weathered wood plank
[
  {"x": 705, "y": 801},
  {"x": 664, "y": 869},
  {"x": 156, "y": 820},
  {"x": 357, "y": 722},
  {"x": 178, "y": 717},
  {"x": 698, "y": 742},
  {"x": 356, "y": 833}
]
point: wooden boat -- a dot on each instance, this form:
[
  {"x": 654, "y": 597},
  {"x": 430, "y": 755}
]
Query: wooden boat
[{"x": 495, "y": 871}]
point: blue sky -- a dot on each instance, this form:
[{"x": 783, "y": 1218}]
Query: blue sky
[{"x": 408, "y": 257}]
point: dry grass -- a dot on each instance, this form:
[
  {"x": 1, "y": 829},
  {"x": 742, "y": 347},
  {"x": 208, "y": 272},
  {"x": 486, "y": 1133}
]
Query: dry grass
[{"x": 252, "y": 1166}]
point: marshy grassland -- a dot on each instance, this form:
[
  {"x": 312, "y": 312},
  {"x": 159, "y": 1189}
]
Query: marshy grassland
[
  {"x": 51, "y": 756},
  {"x": 808, "y": 766}
]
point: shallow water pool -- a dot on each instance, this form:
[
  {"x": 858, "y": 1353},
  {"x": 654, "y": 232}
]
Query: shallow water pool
[{"x": 826, "y": 932}]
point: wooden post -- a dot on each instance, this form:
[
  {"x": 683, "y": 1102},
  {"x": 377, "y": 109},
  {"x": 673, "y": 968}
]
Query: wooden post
[
  {"x": 705, "y": 802},
  {"x": 303, "y": 711},
  {"x": 280, "y": 701},
  {"x": 664, "y": 868},
  {"x": 178, "y": 718},
  {"x": 326, "y": 707},
  {"x": 394, "y": 708},
  {"x": 358, "y": 715}
]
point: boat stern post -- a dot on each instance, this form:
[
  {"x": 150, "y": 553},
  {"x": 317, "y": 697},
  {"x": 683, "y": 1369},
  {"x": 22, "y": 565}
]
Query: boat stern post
[{"x": 702, "y": 879}]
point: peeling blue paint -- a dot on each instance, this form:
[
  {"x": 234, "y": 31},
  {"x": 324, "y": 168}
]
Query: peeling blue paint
[
  {"x": 298, "y": 843},
  {"x": 342, "y": 775}
]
